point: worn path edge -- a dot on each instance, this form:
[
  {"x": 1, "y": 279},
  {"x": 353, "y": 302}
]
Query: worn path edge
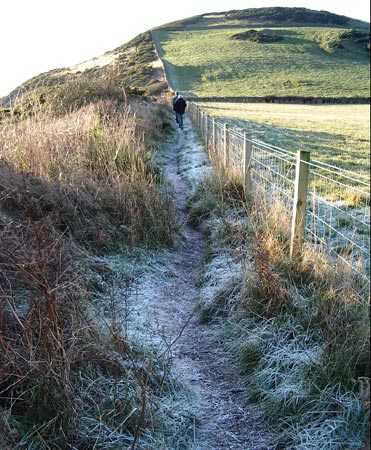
[{"x": 164, "y": 302}]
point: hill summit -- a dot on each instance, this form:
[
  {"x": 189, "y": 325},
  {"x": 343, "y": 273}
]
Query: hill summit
[
  {"x": 267, "y": 52},
  {"x": 291, "y": 30}
]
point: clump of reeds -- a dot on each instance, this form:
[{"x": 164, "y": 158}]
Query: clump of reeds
[
  {"x": 214, "y": 195},
  {"x": 37, "y": 311}
]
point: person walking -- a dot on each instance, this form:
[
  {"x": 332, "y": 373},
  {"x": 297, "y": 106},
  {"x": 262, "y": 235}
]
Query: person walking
[
  {"x": 174, "y": 100},
  {"x": 179, "y": 106}
]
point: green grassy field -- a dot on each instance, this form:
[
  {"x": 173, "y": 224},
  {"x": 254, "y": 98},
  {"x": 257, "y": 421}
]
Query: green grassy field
[
  {"x": 207, "y": 62},
  {"x": 335, "y": 134}
]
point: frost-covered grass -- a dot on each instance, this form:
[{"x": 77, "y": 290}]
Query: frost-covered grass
[
  {"x": 145, "y": 406},
  {"x": 282, "y": 359},
  {"x": 193, "y": 162},
  {"x": 298, "y": 332},
  {"x": 221, "y": 279}
]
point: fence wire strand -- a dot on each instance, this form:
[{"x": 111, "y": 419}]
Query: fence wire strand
[{"x": 338, "y": 203}]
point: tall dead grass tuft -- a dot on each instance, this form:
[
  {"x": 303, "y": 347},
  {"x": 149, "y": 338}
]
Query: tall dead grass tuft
[
  {"x": 270, "y": 220},
  {"x": 268, "y": 297},
  {"x": 92, "y": 170},
  {"x": 340, "y": 310},
  {"x": 37, "y": 306},
  {"x": 215, "y": 195}
]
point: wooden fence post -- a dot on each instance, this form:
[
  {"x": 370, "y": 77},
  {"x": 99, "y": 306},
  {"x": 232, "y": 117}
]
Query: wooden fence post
[
  {"x": 226, "y": 145},
  {"x": 214, "y": 134},
  {"x": 300, "y": 201},
  {"x": 247, "y": 152},
  {"x": 206, "y": 128}
]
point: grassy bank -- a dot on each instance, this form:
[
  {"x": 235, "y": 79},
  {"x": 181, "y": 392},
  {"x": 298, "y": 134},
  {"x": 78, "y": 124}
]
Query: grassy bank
[
  {"x": 90, "y": 169},
  {"x": 77, "y": 183},
  {"x": 298, "y": 331}
]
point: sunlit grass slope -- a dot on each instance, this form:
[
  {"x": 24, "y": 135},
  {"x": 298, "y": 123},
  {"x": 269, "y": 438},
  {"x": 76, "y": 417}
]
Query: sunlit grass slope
[
  {"x": 135, "y": 62},
  {"x": 336, "y": 134},
  {"x": 207, "y": 62}
]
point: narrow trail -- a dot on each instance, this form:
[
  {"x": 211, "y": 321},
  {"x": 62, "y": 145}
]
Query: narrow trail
[{"x": 165, "y": 300}]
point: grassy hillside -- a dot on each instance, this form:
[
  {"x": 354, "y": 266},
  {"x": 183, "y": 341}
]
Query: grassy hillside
[
  {"x": 210, "y": 56},
  {"x": 336, "y": 134},
  {"x": 266, "y": 16},
  {"x": 135, "y": 63}
]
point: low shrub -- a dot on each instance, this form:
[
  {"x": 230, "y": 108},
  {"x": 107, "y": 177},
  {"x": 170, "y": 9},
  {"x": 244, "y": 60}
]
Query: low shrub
[{"x": 257, "y": 36}]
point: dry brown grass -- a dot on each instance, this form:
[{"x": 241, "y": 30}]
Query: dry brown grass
[
  {"x": 75, "y": 181},
  {"x": 322, "y": 294},
  {"x": 58, "y": 369},
  {"x": 38, "y": 332},
  {"x": 92, "y": 171}
]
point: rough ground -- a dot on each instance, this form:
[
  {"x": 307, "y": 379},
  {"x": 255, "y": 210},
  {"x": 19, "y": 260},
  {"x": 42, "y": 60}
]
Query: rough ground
[{"x": 163, "y": 307}]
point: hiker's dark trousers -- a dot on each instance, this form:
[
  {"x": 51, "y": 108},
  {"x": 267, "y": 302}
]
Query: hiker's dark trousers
[{"x": 179, "y": 119}]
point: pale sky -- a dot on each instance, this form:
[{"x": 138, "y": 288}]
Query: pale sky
[{"x": 40, "y": 35}]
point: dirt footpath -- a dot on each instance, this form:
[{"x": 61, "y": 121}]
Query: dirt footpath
[{"x": 165, "y": 299}]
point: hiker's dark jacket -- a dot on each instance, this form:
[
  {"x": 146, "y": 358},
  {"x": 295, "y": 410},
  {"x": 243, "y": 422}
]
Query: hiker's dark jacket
[{"x": 180, "y": 105}]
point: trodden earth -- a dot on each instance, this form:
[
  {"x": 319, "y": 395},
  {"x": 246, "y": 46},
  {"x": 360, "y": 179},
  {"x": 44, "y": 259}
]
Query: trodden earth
[{"x": 162, "y": 307}]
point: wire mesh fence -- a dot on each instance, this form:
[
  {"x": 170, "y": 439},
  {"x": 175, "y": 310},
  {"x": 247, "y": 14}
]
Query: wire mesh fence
[
  {"x": 338, "y": 215},
  {"x": 336, "y": 219}
]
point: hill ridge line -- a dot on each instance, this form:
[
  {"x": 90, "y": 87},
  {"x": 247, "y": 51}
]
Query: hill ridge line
[{"x": 288, "y": 99}]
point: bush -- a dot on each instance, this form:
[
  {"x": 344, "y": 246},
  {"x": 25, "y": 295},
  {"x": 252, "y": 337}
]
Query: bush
[{"x": 257, "y": 36}]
